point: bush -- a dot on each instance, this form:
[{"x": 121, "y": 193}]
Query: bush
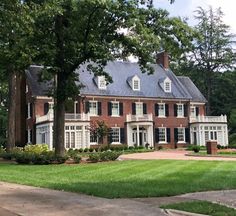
[
  {"x": 131, "y": 148},
  {"x": 109, "y": 156},
  {"x": 86, "y": 150},
  {"x": 140, "y": 147},
  {"x": 232, "y": 140},
  {"x": 80, "y": 150},
  {"x": 147, "y": 145},
  {"x": 37, "y": 148},
  {"x": 94, "y": 157},
  {"x": 159, "y": 147},
  {"x": 125, "y": 147},
  {"x": 196, "y": 148},
  {"x": 91, "y": 150},
  {"x": 77, "y": 158},
  {"x": 6, "y": 155}
]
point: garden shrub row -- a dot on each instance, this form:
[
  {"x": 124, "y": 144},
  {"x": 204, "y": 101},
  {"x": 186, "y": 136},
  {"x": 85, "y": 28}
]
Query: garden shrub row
[{"x": 103, "y": 156}]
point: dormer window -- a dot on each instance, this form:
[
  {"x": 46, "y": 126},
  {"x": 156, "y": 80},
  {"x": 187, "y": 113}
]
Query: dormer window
[
  {"x": 167, "y": 85},
  {"x": 102, "y": 84},
  {"x": 136, "y": 83}
]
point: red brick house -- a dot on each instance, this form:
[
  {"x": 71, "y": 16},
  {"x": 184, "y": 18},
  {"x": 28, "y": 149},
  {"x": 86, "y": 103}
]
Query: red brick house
[{"x": 160, "y": 109}]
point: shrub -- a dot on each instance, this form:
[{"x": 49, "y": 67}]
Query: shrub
[
  {"x": 6, "y": 155},
  {"x": 159, "y": 147},
  {"x": 37, "y": 148},
  {"x": 86, "y": 150},
  {"x": 140, "y": 147},
  {"x": 109, "y": 156},
  {"x": 91, "y": 150},
  {"x": 80, "y": 150},
  {"x": 232, "y": 139},
  {"x": 131, "y": 148},
  {"x": 196, "y": 148},
  {"x": 125, "y": 147},
  {"x": 147, "y": 145},
  {"x": 77, "y": 158},
  {"x": 94, "y": 157}
]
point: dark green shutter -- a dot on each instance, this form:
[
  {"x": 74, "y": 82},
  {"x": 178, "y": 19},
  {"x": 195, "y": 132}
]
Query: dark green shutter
[
  {"x": 197, "y": 111},
  {"x": 86, "y": 106},
  {"x": 121, "y": 109},
  {"x": 99, "y": 108},
  {"x": 156, "y": 107},
  {"x": 156, "y": 135},
  {"x": 185, "y": 110},
  {"x": 168, "y": 134},
  {"x": 122, "y": 135},
  {"x": 110, "y": 136},
  {"x": 144, "y": 108},
  {"x": 46, "y": 108},
  {"x": 175, "y": 109},
  {"x": 176, "y": 135},
  {"x": 167, "y": 109},
  {"x": 133, "y": 109},
  {"x": 109, "y": 108},
  {"x": 187, "y": 135}
]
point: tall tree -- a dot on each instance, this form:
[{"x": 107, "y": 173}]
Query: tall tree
[
  {"x": 72, "y": 32},
  {"x": 16, "y": 29},
  {"x": 212, "y": 52}
]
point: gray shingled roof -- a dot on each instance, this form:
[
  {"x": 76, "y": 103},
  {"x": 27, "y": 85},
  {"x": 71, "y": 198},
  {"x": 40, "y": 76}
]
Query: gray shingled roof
[{"x": 120, "y": 72}]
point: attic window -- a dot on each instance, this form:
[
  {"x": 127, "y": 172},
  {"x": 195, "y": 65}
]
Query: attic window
[
  {"x": 167, "y": 86},
  {"x": 136, "y": 84},
  {"x": 102, "y": 84}
]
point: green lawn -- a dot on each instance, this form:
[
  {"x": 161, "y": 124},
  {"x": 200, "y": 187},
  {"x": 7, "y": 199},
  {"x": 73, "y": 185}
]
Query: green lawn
[
  {"x": 143, "y": 178},
  {"x": 202, "y": 207}
]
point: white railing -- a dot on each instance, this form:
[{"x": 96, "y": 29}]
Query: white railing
[
  {"x": 68, "y": 117},
  {"x": 136, "y": 118},
  {"x": 209, "y": 119}
]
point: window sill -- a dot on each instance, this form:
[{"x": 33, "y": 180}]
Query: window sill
[
  {"x": 180, "y": 117},
  {"x": 162, "y": 142},
  {"x": 115, "y": 143},
  {"x": 181, "y": 142},
  {"x": 161, "y": 116},
  {"x": 115, "y": 116}
]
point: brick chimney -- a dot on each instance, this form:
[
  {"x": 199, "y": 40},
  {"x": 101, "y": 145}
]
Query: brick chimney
[{"x": 163, "y": 59}]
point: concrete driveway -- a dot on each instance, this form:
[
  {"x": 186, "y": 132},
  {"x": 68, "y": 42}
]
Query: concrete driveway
[{"x": 172, "y": 155}]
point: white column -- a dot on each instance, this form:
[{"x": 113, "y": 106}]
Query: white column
[
  {"x": 138, "y": 135},
  {"x": 129, "y": 134},
  {"x": 84, "y": 144},
  {"x": 150, "y": 135}
]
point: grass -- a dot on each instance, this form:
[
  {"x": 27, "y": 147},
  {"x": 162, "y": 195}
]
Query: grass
[
  {"x": 137, "y": 178},
  {"x": 202, "y": 207}
]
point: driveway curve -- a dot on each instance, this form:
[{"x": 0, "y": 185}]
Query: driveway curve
[{"x": 172, "y": 155}]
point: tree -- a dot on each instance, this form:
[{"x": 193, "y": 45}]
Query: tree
[
  {"x": 99, "y": 130},
  {"x": 15, "y": 56},
  {"x": 72, "y": 32},
  {"x": 212, "y": 52}
]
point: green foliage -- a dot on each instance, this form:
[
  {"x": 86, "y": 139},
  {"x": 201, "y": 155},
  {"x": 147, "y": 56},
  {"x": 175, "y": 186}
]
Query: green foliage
[
  {"x": 77, "y": 158},
  {"x": 232, "y": 119},
  {"x": 36, "y": 148},
  {"x": 104, "y": 156},
  {"x": 232, "y": 140},
  {"x": 202, "y": 207},
  {"x": 196, "y": 148},
  {"x": 94, "y": 157}
]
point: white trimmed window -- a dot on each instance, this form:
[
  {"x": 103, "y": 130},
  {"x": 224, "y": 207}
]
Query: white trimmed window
[
  {"x": 115, "y": 135},
  {"x": 93, "y": 108},
  {"x": 115, "y": 111},
  {"x": 181, "y": 134},
  {"x": 162, "y": 135},
  {"x": 193, "y": 111},
  {"x": 136, "y": 83},
  {"x": 139, "y": 108},
  {"x": 70, "y": 136},
  {"x": 161, "y": 110},
  {"x": 28, "y": 111},
  {"x": 29, "y": 132},
  {"x": 167, "y": 86},
  {"x": 102, "y": 84},
  {"x": 180, "y": 110}
]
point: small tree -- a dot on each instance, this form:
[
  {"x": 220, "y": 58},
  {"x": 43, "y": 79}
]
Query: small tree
[{"x": 99, "y": 130}]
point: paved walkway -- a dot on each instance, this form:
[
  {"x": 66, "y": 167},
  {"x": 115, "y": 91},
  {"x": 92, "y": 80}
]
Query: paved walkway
[
  {"x": 172, "y": 154},
  {"x": 20, "y": 200}
]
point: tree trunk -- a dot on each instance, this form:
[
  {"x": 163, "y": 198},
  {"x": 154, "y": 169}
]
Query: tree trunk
[
  {"x": 59, "y": 121},
  {"x": 11, "y": 135}
]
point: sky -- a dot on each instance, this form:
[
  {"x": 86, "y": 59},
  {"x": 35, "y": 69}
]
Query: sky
[{"x": 186, "y": 8}]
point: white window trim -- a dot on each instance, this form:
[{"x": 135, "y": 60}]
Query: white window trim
[
  {"x": 115, "y": 102},
  {"x": 180, "y": 116},
  {"x": 102, "y": 78},
  {"x": 119, "y": 135},
  {"x": 167, "y": 90},
  {"x": 133, "y": 80},
  {"x": 195, "y": 113},
  {"x": 28, "y": 136},
  {"x": 138, "y": 103},
  {"x": 163, "y": 142},
  {"x": 162, "y": 116},
  {"x": 26, "y": 88},
  {"x": 28, "y": 111},
  {"x": 184, "y": 141},
  {"x": 92, "y": 114}
]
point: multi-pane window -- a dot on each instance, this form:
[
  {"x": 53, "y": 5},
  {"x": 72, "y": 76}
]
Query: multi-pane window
[
  {"x": 162, "y": 134},
  {"x": 211, "y": 133},
  {"x": 136, "y": 84},
  {"x": 93, "y": 108},
  {"x": 72, "y": 142},
  {"x": 67, "y": 140},
  {"x": 29, "y": 132},
  {"x": 139, "y": 108},
  {"x": 28, "y": 110},
  {"x": 193, "y": 111},
  {"x": 102, "y": 82},
  {"x": 167, "y": 86},
  {"x": 180, "y": 110},
  {"x": 115, "y": 135},
  {"x": 115, "y": 108},
  {"x": 93, "y": 138},
  {"x": 181, "y": 134},
  {"x": 43, "y": 136},
  {"x": 161, "y": 109}
]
